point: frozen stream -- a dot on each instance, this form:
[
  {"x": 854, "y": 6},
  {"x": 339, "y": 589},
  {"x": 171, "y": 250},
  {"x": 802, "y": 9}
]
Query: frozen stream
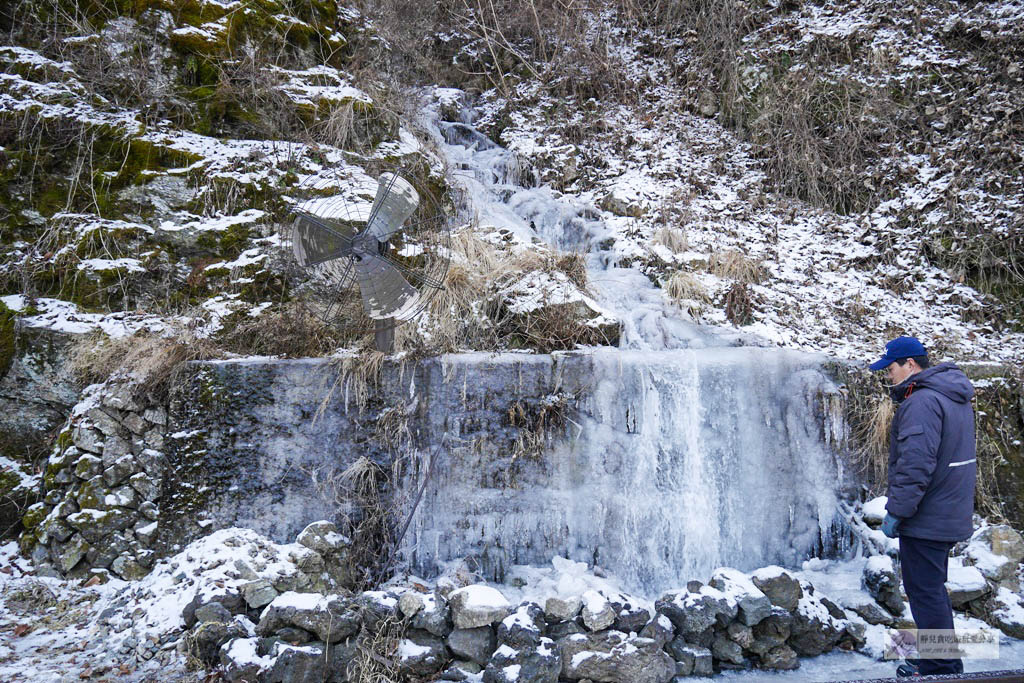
[{"x": 499, "y": 187}]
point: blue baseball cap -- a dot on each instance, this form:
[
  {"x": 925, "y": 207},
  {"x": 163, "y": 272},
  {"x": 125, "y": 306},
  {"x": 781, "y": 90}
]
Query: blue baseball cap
[{"x": 900, "y": 347}]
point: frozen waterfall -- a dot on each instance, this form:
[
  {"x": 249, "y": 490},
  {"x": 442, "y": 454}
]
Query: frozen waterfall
[
  {"x": 672, "y": 463},
  {"x": 684, "y": 451}
]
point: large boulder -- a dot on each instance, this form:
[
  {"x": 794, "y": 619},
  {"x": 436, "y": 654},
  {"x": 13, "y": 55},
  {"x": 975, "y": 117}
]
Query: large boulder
[
  {"x": 208, "y": 637},
  {"x": 562, "y": 609},
  {"x": 613, "y": 656},
  {"x": 692, "y": 660},
  {"x": 94, "y": 525},
  {"x": 473, "y": 644},
  {"x": 477, "y": 605},
  {"x": 331, "y": 617},
  {"x": 334, "y": 547},
  {"x": 433, "y": 615},
  {"x": 539, "y": 663},
  {"x": 814, "y": 629},
  {"x": 874, "y": 511},
  {"x": 726, "y": 650},
  {"x": 692, "y": 613},
  {"x": 866, "y": 607},
  {"x": 779, "y": 586},
  {"x": 421, "y": 654},
  {"x": 298, "y": 664},
  {"x": 783, "y": 658},
  {"x": 753, "y": 604},
  {"x": 598, "y": 613},
  {"x": 631, "y": 616},
  {"x": 1005, "y": 611},
  {"x": 376, "y": 607},
  {"x": 241, "y": 661},
  {"x": 772, "y": 631},
  {"x": 658, "y": 629},
  {"x": 965, "y": 584},
  {"x": 880, "y": 579},
  {"x": 997, "y": 552},
  {"x": 524, "y": 628}
]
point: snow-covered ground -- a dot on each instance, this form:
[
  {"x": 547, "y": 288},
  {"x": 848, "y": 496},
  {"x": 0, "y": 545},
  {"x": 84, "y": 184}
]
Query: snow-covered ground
[{"x": 55, "y": 630}]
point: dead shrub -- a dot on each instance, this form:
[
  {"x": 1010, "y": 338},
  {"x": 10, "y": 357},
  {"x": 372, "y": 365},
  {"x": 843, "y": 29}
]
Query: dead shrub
[
  {"x": 739, "y": 305},
  {"x": 468, "y": 311},
  {"x": 554, "y": 328},
  {"x": 376, "y": 658},
  {"x": 575, "y": 268},
  {"x": 673, "y": 239},
  {"x": 870, "y": 433},
  {"x": 291, "y": 332},
  {"x": 686, "y": 291},
  {"x": 367, "y": 518},
  {"x": 153, "y": 360},
  {"x": 733, "y": 265}
]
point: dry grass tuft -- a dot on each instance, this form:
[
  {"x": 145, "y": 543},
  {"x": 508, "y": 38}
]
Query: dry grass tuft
[
  {"x": 870, "y": 432},
  {"x": 377, "y": 652},
  {"x": 357, "y": 492},
  {"x": 536, "y": 424},
  {"x": 152, "y": 360},
  {"x": 687, "y": 292},
  {"x": 291, "y": 332},
  {"x": 683, "y": 286},
  {"x": 468, "y": 311},
  {"x": 673, "y": 239},
  {"x": 733, "y": 265}
]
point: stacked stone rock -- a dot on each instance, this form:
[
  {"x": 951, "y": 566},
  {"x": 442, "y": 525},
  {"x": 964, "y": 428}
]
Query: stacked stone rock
[
  {"x": 766, "y": 620},
  {"x": 983, "y": 577},
  {"x": 101, "y": 488}
]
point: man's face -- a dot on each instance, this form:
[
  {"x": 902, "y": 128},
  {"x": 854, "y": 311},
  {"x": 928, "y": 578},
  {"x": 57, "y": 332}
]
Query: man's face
[{"x": 898, "y": 373}]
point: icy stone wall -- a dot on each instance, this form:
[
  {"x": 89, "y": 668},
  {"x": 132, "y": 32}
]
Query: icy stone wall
[{"x": 657, "y": 466}]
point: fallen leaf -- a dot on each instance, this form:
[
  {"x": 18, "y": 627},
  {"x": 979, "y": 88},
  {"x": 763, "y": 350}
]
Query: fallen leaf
[
  {"x": 21, "y": 630},
  {"x": 420, "y": 587},
  {"x": 86, "y": 672},
  {"x": 91, "y": 582}
]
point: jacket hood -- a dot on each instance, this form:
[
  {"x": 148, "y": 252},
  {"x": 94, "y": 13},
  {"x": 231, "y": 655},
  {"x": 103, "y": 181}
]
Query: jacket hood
[{"x": 945, "y": 378}]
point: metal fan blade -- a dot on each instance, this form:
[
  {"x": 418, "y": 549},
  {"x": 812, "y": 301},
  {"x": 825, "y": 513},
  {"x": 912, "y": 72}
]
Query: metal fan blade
[
  {"x": 386, "y": 293},
  {"x": 396, "y": 200},
  {"x": 316, "y": 240}
]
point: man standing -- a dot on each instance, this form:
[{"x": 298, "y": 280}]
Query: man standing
[{"x": 932, "y": 470}]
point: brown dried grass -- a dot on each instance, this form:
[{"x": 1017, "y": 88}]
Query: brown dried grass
[
  {"x": 152, "y": 360},
  {"x": 733, "y": 265},
  {"x": 291, "y": 332}
]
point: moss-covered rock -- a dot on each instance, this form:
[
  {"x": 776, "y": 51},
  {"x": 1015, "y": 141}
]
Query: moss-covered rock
[
  {"x": 7, "y": 339},
  {"x": 34, "y": 516},
  {"x": 94, "y": 525}
]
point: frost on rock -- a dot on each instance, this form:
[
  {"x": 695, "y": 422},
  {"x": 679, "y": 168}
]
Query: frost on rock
[
  {"x": 880, "y": 579},
  {"x": 874, "y": 510},
  {"x": 477, "y": 605},
  {"x": 1007, "y": 613},
  {"x": 753, "y": 604},
  {"x": 598, "y": 613},
  {"x": 997, "y": 552},
  {"x": 965, "y": 583}
]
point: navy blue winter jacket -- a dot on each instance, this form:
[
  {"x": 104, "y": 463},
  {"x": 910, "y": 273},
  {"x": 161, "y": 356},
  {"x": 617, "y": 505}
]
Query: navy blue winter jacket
[{"x": 932, "y": 465}]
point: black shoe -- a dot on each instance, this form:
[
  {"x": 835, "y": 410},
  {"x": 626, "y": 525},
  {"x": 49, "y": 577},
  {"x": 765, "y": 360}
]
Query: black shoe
[{"x": 906, "y": 671}]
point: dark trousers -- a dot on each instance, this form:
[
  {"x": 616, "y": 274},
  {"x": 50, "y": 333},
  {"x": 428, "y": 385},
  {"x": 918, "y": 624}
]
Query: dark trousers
[{"x": 923, "y": 565}]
